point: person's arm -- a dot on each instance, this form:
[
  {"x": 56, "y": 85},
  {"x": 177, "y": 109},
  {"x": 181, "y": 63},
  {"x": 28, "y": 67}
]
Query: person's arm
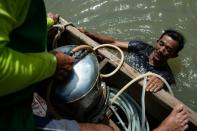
[
  {"x": 103, "y": 39},
  {"x": 154, "y": 84},
  {"x": 19, "y": 70}
]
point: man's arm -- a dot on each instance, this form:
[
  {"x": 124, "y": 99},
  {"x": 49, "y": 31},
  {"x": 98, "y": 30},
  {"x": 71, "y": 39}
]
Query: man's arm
[
  {"x": 154, "y": 84},
  {"x": 103, "y": 39}
]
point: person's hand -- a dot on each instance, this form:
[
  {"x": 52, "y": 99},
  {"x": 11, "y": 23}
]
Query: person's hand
[
  {"x": 154, "y": 84},
  {"x": 82, "y": 30},
  {"x": 54, "y": 17},
  {"x": 64, "y": 65}
]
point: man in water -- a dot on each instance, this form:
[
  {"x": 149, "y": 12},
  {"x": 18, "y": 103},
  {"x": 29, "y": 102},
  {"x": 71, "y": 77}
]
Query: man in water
[{"x": 147, "y": 58}]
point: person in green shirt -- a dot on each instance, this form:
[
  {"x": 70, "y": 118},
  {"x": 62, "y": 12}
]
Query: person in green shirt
[{"x": 24, "y": 61}]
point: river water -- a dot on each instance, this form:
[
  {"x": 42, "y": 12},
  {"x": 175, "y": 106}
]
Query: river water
[{"x": 142, "y": 20}]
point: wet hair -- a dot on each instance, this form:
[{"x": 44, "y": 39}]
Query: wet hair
[{"x": 175, "y": 35}]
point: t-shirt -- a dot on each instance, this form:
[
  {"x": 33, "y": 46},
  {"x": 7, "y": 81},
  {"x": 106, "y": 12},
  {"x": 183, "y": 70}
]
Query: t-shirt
[
  {"x": 138, "y": 59},
  {"x": 24, "y": 60},
  {"x": 23, "y": 40}
]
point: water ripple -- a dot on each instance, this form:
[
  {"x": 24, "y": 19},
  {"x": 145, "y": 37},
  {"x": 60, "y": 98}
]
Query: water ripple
[
  {"x": 122, "y": 7},
  {"x": 86, "y": 19},
  {"x": 98, "y": 5},
  {"x": 180, "y": 3},
  {"x": 187, "y": 61}
]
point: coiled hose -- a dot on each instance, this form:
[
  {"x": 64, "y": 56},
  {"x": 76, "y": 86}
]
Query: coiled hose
[{"x": 132, "y": 111}]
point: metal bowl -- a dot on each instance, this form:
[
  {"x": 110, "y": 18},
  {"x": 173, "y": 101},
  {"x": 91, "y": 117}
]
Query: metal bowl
[{"x": 78, "y": 96}]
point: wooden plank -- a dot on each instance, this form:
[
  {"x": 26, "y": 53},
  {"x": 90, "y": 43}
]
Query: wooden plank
[
  {"x": 103, "y": 63},
  {"x": 113, "y": 125},
  {"x": 172, "y": 101},
  {"x": 132, "y": 73}
]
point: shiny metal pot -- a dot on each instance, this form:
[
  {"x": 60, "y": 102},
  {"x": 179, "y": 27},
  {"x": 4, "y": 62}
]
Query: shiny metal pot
[{"x": 81, "y": 97}]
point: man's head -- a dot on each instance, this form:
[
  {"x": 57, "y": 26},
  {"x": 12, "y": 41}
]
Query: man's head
[
  {"x": 168, "y": 45},
  {"x": 178, "y": 37}
]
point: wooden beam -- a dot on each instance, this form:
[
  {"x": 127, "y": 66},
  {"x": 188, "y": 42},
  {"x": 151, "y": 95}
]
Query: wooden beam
[
  {"x": 113, "y": 125},
  {"x": 103, "y": 63}
]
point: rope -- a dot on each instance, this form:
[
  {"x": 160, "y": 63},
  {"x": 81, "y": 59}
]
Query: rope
[
  {"x": 98, "y": 47},
  {"x": 121, "y": 61},
  {"x": 143, "y": 103},
  {"x": 60, "y": 30},
  {"x": 138, "y": 78}
]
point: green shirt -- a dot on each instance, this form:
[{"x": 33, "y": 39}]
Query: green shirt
[{"x": 23, "y": 60}]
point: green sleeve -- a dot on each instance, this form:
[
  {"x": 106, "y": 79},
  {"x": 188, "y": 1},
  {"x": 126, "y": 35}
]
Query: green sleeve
[
  {"x": 19, "y": 70},
  {"x": 50, "y": 22}
]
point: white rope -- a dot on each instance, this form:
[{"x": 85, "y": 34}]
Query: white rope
[
  {"x": 143, "y": 103},
  {"x": 121, "y": 60},
  {"x": 138, "y": 78}
]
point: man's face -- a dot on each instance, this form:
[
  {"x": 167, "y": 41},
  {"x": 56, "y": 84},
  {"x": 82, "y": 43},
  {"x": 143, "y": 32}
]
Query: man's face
[{"x": 165, "y": 48}]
